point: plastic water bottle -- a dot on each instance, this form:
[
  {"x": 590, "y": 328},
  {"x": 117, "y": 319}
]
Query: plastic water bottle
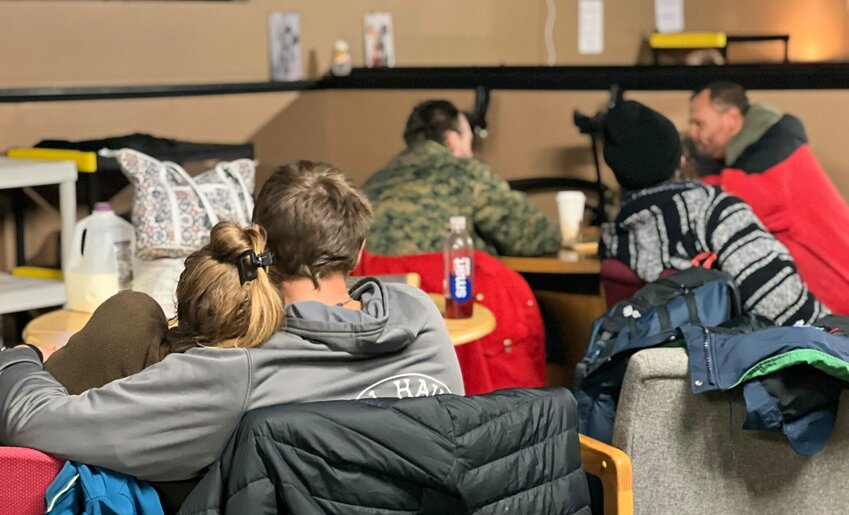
[
  {"x": 459, "y": 270},
  {"x": 101, "y": 261}
]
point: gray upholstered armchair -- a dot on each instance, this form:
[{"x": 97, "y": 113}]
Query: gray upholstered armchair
[{"x": 690, "y": 454}]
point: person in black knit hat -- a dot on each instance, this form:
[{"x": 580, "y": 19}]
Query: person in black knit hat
[
  {"x": 664, "y": 223},
  {"x": 640, "y": 145}
]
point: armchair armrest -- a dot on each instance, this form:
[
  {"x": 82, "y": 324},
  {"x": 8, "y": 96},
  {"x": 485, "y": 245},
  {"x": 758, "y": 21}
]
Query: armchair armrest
[{"x": 613, "y": 467}]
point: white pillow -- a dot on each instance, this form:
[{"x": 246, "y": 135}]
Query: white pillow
[{"x": 158, "y": 278}]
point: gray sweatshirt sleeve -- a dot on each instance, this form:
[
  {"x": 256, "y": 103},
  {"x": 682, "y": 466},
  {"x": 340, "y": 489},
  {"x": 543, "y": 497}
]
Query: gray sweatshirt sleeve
[{"x": 166, "y": 423}]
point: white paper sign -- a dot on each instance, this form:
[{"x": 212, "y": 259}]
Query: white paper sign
[
  {"x": 378, "y": 39},
  {"x": 590, "y": 26},
  {"x": 284, "y": 46},
  {"x": 669, "y": 15}
]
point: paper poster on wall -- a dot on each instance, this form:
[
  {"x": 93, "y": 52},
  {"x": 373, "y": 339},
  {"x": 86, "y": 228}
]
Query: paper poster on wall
[
  {"x": 590, "y": 26},
  {"x": 284, "y": 46},
  {"x": 378, "y": 38},
  {"x": 669, "y": 15}
]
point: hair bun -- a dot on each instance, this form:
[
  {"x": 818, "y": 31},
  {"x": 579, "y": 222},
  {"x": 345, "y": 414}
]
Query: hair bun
[{"x": 228, "y": 241}]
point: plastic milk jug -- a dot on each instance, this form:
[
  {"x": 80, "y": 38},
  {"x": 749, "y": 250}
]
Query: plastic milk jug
[{"x": 101, "y": 261}]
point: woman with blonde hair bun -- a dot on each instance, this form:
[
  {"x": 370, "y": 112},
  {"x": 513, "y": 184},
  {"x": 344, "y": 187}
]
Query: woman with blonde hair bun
[
  {"x": 224, "y": 299},
  {"x": 224, "y": 296}
]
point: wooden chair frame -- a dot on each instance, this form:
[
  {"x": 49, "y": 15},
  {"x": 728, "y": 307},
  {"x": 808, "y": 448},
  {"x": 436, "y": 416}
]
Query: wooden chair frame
[{"x": 613, "y": 467}]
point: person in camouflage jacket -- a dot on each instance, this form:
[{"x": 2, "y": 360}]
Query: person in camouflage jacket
[{"x": 437, "y": 177}]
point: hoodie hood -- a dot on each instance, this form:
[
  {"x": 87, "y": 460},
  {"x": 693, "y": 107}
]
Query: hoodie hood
[
  {"x": 382, "y": 326},
  {"x": 396, "y": 346},
  {"x": 758, "y": 119}
]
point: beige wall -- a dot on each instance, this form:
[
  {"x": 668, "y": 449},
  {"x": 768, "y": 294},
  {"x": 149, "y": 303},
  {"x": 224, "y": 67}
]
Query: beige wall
[
  {"x": 819, "y": 29},
  {"x": 67, "y": 43},
  {"x": 63, "y": 42}
]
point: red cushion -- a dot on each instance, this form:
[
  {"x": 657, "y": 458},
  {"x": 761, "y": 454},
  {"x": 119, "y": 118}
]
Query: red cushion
[
  {"x": 513, "y": 355},
  {"x": 619, "y": 282},
  {"x": 26, "y": 474}
]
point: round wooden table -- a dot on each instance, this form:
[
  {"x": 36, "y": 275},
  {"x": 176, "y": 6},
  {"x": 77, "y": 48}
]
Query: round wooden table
[
  {"x": 51, "y": 331},
  {"x": 465, "y": 330}
]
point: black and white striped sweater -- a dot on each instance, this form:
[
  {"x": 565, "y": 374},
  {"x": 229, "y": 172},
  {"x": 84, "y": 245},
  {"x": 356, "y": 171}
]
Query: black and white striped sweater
[{"x": 666, "y": 225}]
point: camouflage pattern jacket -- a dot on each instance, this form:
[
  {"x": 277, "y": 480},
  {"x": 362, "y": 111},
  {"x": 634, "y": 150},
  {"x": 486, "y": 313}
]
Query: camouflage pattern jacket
[{"x": 424, "y": 185}]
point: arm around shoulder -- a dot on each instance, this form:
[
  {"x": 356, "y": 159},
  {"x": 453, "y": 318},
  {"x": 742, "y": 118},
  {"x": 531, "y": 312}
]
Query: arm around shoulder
[{"x": 166, "y": 423}]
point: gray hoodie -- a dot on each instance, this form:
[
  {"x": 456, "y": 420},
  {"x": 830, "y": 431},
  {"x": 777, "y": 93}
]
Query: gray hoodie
[{"x": 172, "y": 420}]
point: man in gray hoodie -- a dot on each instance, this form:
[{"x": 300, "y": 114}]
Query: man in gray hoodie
[{"x": 172, "y": 420}]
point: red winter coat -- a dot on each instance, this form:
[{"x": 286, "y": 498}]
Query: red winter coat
[
  {"x": 513, "y": 355},
  {"x": 781, "y": 179}
]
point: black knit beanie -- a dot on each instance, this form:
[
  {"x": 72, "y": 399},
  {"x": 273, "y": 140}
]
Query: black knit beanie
[{"x": 641, "y": 145}]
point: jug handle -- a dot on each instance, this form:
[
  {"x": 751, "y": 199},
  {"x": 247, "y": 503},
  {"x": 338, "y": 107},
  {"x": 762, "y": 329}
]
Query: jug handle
[{"x": 77, "y": 247}]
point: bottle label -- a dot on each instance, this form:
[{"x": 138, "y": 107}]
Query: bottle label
[
  {"x": 124, "y": 262},
  {"x": 460, "y": 279}
]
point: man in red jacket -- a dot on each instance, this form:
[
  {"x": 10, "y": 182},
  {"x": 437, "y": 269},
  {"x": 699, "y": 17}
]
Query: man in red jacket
[{"x": 762, "y": 155}]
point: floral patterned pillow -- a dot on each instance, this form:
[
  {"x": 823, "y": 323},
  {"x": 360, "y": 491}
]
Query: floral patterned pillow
[{"x": 173, "y": 213}]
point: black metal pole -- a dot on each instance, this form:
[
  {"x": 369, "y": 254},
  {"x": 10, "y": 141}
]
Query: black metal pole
[
  {"x": 600, "y": 212},
  {"x": 18, "y": 208}
]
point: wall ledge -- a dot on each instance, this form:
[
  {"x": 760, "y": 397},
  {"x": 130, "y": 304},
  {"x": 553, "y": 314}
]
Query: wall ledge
[{"x": 658, "y": 78}]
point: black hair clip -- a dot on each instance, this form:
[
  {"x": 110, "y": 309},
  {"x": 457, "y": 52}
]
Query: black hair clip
[{"x": 249, "y": 262}]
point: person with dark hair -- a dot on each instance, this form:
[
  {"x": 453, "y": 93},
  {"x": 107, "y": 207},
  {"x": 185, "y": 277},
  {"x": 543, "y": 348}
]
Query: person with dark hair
[
  {"x": 171, "y": 420},
  {"x": 442, "y": 122},
  {"x": 664, "y": 223},
  {"x": 436, "y": 177},
  {"x": 762, "y": 155}
]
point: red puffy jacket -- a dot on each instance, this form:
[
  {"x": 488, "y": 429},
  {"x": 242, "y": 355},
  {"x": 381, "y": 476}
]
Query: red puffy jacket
[
  {"x": 781, "y": 179},
  {"x": 513, "y": 355}
]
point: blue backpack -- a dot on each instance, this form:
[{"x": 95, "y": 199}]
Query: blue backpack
[{"x": 697, "y": 296}]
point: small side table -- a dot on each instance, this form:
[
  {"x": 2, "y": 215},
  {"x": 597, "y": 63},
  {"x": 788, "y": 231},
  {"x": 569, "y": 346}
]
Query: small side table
[
  {"x": 21, "y": 293},
  {"x": 680, "y": 41},
  {"x": 51, "y": 331},
  {"x": 465, "y": 330}
]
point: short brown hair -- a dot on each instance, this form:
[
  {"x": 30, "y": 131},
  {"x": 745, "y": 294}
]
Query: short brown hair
[
  {"x": 430, "y": 120},
  {"x": 725, "y": 94},
  {"x": 316, "y": 219},
  {"x": 214, "y": 307}
]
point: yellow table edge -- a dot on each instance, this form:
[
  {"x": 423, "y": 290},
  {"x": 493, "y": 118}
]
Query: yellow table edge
[
  {"x": 86, "y": 161},
  {"x": 582, "y": 265},
  {"x": 37, "y": 272},
  {"x": 52, "y": 330}
]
